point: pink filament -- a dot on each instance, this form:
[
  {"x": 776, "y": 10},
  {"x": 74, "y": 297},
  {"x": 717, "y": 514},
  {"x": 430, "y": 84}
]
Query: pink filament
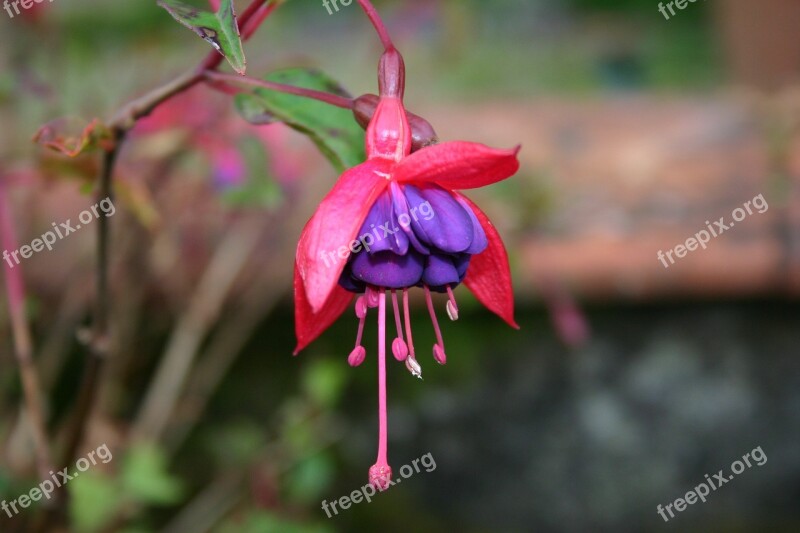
[
  {"x": 433, "y": 317},
  {"x": 396, "y": 309},
  {"x": 362, "y": 317},
  {"x": 407, "y": 317},
  {"x": 451, "y": 296},
  {"x": 371, "y": 297}
]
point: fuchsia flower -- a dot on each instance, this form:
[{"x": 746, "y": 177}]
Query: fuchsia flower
[{"x": 367, "y": 236}]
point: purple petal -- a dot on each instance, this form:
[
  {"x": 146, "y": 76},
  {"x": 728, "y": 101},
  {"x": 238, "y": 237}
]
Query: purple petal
[
  {"x": 403, "y": 218},
  {"x": 440, "y": 271},
  {"x": 380, "y": 231},
  {"x": 388, "y": 270},
  {"x": 348, "y": 282},
  {"x": 479, "y": 240},
  {"x": 438, "y": 219}
]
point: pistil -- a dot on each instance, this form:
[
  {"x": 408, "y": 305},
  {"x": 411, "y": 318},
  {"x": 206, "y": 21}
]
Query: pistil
[{"x": 381, "y": 473}]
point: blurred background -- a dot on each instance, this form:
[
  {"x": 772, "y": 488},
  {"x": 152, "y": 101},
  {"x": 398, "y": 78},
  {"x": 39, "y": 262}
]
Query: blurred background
[{"x": 628, "y": 381}]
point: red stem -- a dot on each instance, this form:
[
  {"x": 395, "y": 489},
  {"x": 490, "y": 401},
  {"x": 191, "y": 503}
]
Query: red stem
[
  {"x": 250, "y": 27},
  {"x": 328, "y": 98},
  {"x": 377, "y": 22},
  {"x": 127, "y": 116}
]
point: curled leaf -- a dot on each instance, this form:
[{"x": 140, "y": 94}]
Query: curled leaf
[
  {"x": 71, "y": 136},
  {"x": 219, "y": 29}
]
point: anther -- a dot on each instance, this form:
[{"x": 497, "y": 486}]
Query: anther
[
  {"x": 357, "y": 356},
  {"x": 414, "y": 367},
  {"x": 452, "y": 306}
]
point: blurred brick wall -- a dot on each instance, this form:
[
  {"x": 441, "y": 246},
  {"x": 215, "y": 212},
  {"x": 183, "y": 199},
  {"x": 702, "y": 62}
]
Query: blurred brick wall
[{"x": 761, "y": 40}]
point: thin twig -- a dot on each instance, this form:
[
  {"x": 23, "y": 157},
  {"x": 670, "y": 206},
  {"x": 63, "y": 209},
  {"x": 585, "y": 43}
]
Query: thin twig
[
  {"x": 98, "y": 341},
  {"x": 121, "y": 122},
  {"x": 23, "y": 345}
]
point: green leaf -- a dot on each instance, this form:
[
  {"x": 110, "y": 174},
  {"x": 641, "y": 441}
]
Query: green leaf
[
  {"x": 145, "y": 476},
  {"x": 94, "y": 500},
  {"x": 332, "y": 129},
  {"x": 252, "y": 109},
  {"x": 324, "y": 382},
  {"x": 260, "y": 521},
  {"x": 236, "y": 444},
  {"x": 220, "y": 29},
  {"x": 310, "y": 478}
]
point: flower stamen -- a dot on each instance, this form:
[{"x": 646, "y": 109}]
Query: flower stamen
[
  {"x": 359, "y": 353},
  {"x": 412, "y": 364},
  {"x": 438, "y": 348},
  {"x": 399, "y": 346},
  {"x": 452, "y": 306}
]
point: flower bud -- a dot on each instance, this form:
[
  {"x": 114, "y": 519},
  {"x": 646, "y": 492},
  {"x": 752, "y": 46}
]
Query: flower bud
[
  {"x": 392, "y": 74},
  {"x": 422, "y": 133}
]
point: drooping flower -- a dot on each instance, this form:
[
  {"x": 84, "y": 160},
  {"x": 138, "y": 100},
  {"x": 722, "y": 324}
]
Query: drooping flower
[{"x": 396, "y": 222}]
